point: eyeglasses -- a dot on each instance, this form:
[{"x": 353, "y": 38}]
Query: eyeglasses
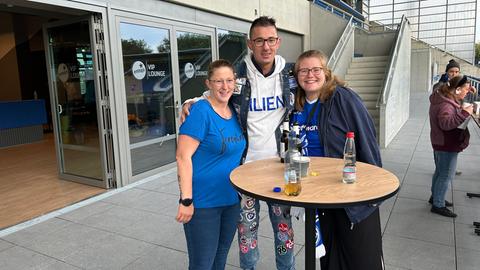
[
  {"x": 219, "y": 83},
  {"x": 271, "y": 41},
  {"x": 314, "y": 70}
]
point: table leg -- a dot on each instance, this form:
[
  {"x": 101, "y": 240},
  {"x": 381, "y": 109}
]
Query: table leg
[{"x": 310, "y": 238}]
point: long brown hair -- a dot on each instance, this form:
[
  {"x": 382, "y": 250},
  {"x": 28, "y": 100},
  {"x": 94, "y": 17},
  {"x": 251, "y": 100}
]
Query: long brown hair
[
  {"x": 448, "y": 88},
  {"x": 331, "y": 81}
]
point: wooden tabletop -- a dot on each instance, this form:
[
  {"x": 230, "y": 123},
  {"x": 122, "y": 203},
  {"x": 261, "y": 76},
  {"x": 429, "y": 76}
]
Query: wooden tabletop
[{"x": 324, "y": 190}]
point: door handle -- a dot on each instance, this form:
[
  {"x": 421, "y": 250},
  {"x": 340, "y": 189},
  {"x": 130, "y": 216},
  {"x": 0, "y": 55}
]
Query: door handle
[{"x": 60, "y": 109}]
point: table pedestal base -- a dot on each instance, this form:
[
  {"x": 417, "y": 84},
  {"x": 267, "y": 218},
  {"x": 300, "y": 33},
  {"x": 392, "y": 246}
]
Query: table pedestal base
[{"x": 309, "y": 238}]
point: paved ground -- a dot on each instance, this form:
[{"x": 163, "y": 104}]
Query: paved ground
[{"x": 134, "y": 227}]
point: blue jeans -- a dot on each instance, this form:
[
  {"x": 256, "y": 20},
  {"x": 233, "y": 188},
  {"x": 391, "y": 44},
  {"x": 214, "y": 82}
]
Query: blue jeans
[
  {"x": 248, "y": 234},
  {"x": 445, "y": 166},
  {"x": 209, "y": 235}
]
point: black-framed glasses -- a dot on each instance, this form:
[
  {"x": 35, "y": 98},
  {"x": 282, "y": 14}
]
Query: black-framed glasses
[
  {"x": 314, "y": 70},
  {"x": 219, "y": 83},
  {"x": 271, "y": 41}
]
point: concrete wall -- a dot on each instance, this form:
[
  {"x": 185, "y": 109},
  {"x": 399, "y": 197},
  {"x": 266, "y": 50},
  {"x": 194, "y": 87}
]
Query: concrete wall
[
  {"x": 395, "y": 112},
  {"x": 420, "y": 72},
  {"x": 325, "y": 38},
  {"x": 374, "y": 44},
  {"x": 10, "y": 82},
  {"x": 427, "y": 67}
]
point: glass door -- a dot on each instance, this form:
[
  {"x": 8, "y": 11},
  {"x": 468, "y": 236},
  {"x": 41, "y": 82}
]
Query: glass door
[
  {"x": 195, "y": 53},
  {"x": 81, "y": 117},
  {"x": 149, "y": 91}
]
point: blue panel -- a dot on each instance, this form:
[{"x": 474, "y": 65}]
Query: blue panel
[{"x": 24, "y": 113}]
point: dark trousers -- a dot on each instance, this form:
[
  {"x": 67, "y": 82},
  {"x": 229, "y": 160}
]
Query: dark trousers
[{"x": 351, "y": 248}]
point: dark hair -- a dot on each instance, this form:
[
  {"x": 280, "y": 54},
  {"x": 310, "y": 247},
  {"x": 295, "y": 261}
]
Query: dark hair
[
  {"x": 218, "y": 64},
  {"x": 262, "y": 21},
  {"x": 451, "y": 64},
  {"x": 331, "y": 81},
  {"x": 449, "y": 87}
]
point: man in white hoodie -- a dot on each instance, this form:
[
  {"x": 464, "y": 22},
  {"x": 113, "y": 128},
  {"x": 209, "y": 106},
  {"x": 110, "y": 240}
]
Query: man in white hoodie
[{"x": 262, "y": 100}]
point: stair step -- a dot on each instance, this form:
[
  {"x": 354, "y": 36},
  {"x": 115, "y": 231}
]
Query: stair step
[
  {"x": 366, "y": 70},
  {"x": 374, "y": 113},
  {"x": 371, "y": 105},
  {"x": 369, "y": 64},
  {"x": 370, "y": 59},
  {"x": 366, "y": 90},
  {"x": 368, "y": 97},
  {"x": 363, "y": 77},
  {"x": 365, "y": 83}
]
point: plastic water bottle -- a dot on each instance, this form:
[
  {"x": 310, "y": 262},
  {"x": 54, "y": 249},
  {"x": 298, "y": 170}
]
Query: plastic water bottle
[{"x": 349, "y": 169}]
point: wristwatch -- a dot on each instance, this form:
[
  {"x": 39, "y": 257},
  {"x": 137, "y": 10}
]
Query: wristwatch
[{"x": 186, "y": 201}]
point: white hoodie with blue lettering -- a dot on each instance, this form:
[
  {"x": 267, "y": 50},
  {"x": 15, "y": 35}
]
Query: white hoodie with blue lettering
[{"x": 266, "y": 110}]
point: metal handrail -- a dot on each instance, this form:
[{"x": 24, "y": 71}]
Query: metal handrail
[
  {"x": 347, "y": 32},
  {"x": 341, "y": 13},
  {"x": 393, "y": 61}
]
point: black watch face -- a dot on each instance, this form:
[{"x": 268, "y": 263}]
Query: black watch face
[{"x": 186, "y": 202}]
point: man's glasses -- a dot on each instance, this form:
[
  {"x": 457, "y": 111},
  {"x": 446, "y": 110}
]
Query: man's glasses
[
  {"x": 314, "y": 70},
  {"x": 271, "y": 41},
  {"x": 219, "y": 83}
]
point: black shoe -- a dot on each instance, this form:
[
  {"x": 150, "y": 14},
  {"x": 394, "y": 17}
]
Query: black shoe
[
  {"x": 444, "y": 211},
  {"x": 458, "y": 172},
  {"x": 447, "y": 203}
]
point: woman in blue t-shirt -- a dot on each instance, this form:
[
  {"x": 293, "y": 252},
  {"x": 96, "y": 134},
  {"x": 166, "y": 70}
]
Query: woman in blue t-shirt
[
  {"x": 210, "y": 146},
  {"x": 325, "y": 111}
]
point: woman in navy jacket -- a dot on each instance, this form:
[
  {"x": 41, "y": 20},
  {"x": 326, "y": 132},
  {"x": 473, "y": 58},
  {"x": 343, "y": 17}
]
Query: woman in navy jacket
[{"x": 326, "y": 110}]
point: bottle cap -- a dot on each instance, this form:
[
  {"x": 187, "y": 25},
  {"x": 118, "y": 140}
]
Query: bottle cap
[
  {"x": 277, "y": 189},
  {"x": 350, "y": 134}
]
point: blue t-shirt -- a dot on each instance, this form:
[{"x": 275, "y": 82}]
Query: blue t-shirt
[
  {"x": 219, "y": 152},
  {"x": 311, "y": 144}
]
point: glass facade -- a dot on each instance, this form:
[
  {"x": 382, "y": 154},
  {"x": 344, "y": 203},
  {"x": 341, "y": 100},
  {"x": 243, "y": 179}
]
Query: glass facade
[
  {"x": 446, "y": 24},
  {"x": 147, "y": 70}
]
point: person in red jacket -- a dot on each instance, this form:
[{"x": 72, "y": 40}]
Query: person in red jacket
[{"x": 448, "y": 137}]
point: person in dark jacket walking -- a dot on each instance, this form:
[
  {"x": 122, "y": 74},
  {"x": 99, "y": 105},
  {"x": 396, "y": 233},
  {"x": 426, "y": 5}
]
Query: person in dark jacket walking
[
  {"x": 448, "y": 137},
  {"x": 326, "y": 110}
]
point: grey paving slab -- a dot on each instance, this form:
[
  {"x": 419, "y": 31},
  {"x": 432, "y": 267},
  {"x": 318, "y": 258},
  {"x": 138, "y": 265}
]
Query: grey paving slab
[
  {"x": 142, "y": 225},
  {"x": 418, "y": 192},
  {"x": 41, "y": 230},
  {"x": 168, "y": 184},
  {"x": 99, "y": 255},
  {"x": 419, "y": 177},
  {"x": 408, "y": 253},
  {"x": 396, "y": 168},
  {"x": 417, "y": 208},
  {"x": 466, "y": 214},
  {"x": 127, "y": 197},
  {"x": 398, "y": 156},
  {"x": 160, "y": 258},
  {"x": 86, "y": 211},
  {"x": 421, "y": 228},
  {"x": 385, "y": 210},
  {"x": 466, "y": 185},
  {"x": 468, "y": 259},
  {"x": 460, "y": 198},
  {"x": 466, "y": 238},
  {"x": 19, "y": 258},
  {"x": 5, "y": 245}
]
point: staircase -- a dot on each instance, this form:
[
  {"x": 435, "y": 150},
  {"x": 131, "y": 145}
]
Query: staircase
[{"x": 365, "y": 76}]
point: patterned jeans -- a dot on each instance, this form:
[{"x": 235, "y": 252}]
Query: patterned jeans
[{"x": 248, "y": 234}]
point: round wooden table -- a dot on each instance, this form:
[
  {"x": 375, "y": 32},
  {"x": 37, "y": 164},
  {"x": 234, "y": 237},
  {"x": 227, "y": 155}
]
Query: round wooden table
[{"x": 324, "y": 190}]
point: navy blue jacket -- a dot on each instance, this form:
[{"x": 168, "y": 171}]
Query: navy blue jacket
[{"x": 344, "y": 111}]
